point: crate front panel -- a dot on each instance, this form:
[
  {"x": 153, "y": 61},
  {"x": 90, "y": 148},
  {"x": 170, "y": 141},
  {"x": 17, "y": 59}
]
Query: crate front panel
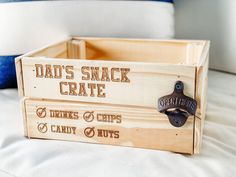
[
  {"x": 105, "y": 124},
  {"x": 112, "y": 82}
]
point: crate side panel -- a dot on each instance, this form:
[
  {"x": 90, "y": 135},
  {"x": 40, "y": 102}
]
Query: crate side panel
[
  {"x": 129, "y": 83},
  {"x": 105, "y": 124},
  {"x": 19, "y": 76},
  {"x": 201, "y": 97}
]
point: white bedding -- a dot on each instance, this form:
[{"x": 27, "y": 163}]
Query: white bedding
[{"x": 21, "y": 157}]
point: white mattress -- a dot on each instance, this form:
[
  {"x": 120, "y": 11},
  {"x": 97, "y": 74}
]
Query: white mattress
[{"x": 21, "y": 157}]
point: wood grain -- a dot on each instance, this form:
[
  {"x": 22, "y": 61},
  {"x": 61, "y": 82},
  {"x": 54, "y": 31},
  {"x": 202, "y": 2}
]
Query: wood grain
[
  {"x": 76, "y": 49},
  {"x": 139, "y": 127},
  {"x": 153, "y": 66},
  {"x": 148, "y": 81},
  {"x": 201, "y": 96},
  {"x": 142, "y": 50},
  {"x": 19, "y": 76}
]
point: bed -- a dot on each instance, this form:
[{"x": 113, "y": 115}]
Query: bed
[{"x": 21, "y": 157}]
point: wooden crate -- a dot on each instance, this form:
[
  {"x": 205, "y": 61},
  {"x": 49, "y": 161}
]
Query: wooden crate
[{"x": 108, "y": 76}]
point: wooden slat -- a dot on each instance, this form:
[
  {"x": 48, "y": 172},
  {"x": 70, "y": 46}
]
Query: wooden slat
[
  {"x": 62, "y": 55},
  {"x": 24, "y": 114},
  {"x": 76, "y": 49},
  {"x": 135, "y": 50},
  {"x": 201, "y": 96},
  {"x": 198, "y": 133},
  {"x": 19, "y": 76},
  {"x": 147, "y": 81},
  {"x": 143, "y": 50},
  {"x": 137, "y": 127},
  {"x": 52, "y": 51},
  {"x": 193, "y": 52}
]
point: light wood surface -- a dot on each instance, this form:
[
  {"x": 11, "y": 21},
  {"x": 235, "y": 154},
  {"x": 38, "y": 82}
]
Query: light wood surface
[
  {"x": 116, "y": 76},
  {"x": 76, "y": 49},
  {"x": 135, "y": 126},
  {"x": 148, "y": 81},
  {"x": 201, "y": 96},
  {"x": 143, "y": 50},
  {"x": 19, "y": 76}
]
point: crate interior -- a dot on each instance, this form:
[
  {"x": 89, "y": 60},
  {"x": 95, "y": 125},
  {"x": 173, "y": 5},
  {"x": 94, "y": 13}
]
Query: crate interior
[{"x": 138, "y": 50}]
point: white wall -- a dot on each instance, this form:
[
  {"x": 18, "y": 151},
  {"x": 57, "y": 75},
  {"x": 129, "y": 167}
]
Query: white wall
[
  {"x": 26, "y": 26},
  {"x": 214, "y": 20}
]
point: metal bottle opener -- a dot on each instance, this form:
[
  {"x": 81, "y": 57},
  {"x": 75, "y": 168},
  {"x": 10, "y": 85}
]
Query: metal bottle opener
[{"x": 177, "y": 106}]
